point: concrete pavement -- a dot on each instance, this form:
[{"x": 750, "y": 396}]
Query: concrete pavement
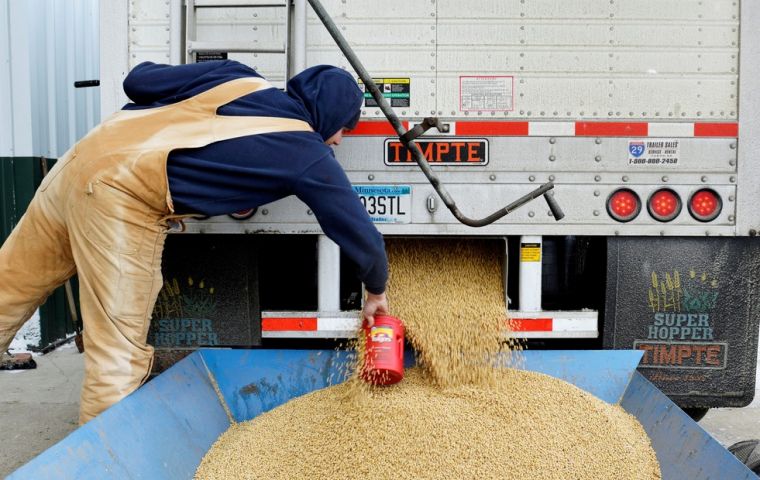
[
  {"x": 731, "y": 425},
  {"x": 39, "y": 407}
]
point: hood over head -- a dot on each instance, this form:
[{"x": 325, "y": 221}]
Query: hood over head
[
  {"x": 149, "y": 83},
  {"x": 331, "y": 96}
]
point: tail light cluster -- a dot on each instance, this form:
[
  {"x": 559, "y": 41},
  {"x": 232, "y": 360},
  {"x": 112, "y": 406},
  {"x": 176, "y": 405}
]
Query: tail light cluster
[{"x": 664, "y": 205}]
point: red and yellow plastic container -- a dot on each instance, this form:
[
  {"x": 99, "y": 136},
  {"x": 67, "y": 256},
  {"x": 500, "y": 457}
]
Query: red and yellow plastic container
[{"x": 384, "y": 351}]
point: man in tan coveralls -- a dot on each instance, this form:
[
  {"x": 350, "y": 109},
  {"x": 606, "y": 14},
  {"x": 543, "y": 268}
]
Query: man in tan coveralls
[{"x": 229, "y": 141}]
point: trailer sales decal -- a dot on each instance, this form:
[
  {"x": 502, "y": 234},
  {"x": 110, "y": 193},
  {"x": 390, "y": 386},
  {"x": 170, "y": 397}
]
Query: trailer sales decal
[
  {"x": 396, "y": 90},
  {"x": 449, "y": 151},
  {"x": 654, "y": 152}
]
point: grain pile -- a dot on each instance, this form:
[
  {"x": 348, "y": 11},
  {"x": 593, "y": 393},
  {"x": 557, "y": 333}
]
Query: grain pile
[
  {"x": 456, "y": 416},
  {"x": 525, "y": 425}
]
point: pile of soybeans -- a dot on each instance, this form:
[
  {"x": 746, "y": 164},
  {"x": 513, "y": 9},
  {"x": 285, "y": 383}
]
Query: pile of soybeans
[{"x": 454, "y": 417}]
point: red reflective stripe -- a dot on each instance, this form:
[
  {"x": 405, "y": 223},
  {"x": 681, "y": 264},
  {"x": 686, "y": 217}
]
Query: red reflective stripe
[
  {"x": 716, "y": 129},
  {"x": 492, "y": 128},
  {"x": 611, "y": 129},
  {"x": 597, "y": 129},
  {"x": 376, "y": 128},
  {"x": 530, "y": 324},
  {"x": 288, "y": 324}
]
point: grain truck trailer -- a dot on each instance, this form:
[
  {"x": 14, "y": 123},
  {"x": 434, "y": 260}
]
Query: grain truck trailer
[{"x": 643, "y": 114}]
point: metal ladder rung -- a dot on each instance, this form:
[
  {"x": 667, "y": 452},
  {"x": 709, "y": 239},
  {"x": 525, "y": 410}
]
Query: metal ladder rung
[
  {"x": 237, "y": 47},
  {"x": 193, "y": 47},
  {"x": 238, "y": 4}
]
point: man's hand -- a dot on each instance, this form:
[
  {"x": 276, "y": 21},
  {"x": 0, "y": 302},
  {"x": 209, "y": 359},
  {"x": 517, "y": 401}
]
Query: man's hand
[{"x": 373, "y": 305}]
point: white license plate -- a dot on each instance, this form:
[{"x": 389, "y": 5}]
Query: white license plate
[{"x": 386, "y": 203}]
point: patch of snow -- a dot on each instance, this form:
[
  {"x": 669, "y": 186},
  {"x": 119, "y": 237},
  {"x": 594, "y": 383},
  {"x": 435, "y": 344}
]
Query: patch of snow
[{"x": 28, "y": 335}]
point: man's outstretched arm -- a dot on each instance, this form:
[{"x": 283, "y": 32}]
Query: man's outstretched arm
[{"x": 325, "y": 188}]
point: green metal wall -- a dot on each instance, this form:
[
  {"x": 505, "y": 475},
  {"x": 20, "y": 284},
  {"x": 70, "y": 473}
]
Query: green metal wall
[{"x": 19, "y": 178}]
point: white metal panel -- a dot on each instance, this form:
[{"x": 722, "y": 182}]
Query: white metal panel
[
  {"x": 395, "y": 39},
  {"x": 6, "y": 86},
  {"x": 748, "y": 192},
  {"x": 298, "y": 46},
  {"x": 150, "y": 35},
  {"x": 328, "y": 275},
  {"x": 672, "y": 129},
  {"x": 562, "y": 60},
  {"x": 673, "y": 63},
  {"x": 530, "y": 273},
  {"x": 259, "y": 27},
  {"x": 594, "y": 58},
  {"x": 114, "y": 58},
  {"x": 47, "y": 46},
  {"x": 20, "y": 78},
  {"x": 552, "y": 155},
  {"x": 176, "y": 40},
  {"x": 699, "y": 10},
  {"x": 237, "y": 3},
  {"x": 581, "y": 206},
  {"x": 230, "y": 30},
  {"x": 584, "y": 206},
  {"x": 586, "y": 170}
]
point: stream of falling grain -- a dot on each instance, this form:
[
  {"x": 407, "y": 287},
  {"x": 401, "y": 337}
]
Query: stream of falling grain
[{"x": 450, "y": 296}]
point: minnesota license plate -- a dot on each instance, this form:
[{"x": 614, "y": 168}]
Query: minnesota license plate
[{"x": 386, "y": 203}]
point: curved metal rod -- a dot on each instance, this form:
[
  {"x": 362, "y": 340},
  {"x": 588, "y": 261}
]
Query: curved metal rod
[{"x": 416, "y": 152}]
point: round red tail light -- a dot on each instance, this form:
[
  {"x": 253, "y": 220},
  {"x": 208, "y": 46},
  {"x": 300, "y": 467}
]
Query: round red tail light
[
  {"x": 664, "y": 205},
  {"x": 243, "y": 214},
  {"x": 623, "y": 205},
  {"x": 705, "y": 205}
]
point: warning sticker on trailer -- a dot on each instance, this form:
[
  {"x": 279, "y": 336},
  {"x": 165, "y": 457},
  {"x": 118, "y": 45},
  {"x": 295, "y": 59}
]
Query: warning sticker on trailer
[
  {"x": 396, "y": 90},
  {"x": 530, "y": 252},
  {"x": 486, "y": 93},
  {"x": 386, "y": 203},
  {"x": 656, "y": 152}
]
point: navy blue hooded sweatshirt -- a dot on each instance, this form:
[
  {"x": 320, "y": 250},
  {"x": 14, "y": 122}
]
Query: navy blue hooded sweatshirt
[{"x": 246, "y": 172}]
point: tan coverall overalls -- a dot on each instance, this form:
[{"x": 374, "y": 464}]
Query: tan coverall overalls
[{"x": 103, "y": 212}]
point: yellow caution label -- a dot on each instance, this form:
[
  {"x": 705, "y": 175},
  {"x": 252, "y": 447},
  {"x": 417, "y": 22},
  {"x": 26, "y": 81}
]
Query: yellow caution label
[
  {"x": 530, "y": 252},
  {"x": 402, "y": 81}
]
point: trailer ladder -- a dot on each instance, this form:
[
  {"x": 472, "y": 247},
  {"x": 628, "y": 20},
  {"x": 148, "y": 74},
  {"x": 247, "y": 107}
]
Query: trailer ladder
[{"x": 193, "y": 46}]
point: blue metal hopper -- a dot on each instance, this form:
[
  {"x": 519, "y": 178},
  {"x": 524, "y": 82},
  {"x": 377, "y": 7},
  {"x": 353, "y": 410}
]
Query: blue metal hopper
[{"x": 163, "y": 430}]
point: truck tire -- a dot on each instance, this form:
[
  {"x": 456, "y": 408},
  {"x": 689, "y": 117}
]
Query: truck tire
[
  {"x": 748, "y": 452},
  {"x": 696, "y": 413}
]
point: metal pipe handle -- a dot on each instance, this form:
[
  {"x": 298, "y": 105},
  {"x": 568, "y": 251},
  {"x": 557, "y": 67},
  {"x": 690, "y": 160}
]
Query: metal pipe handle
[
  {"x": 557, "y": 212},
  {"x": 416, "y": 152}
]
